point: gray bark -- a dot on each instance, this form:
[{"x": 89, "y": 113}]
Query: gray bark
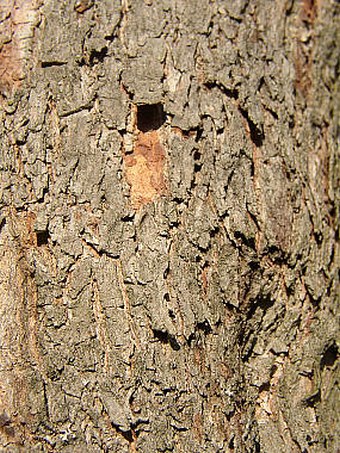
[{"x": 169, "y": 226}]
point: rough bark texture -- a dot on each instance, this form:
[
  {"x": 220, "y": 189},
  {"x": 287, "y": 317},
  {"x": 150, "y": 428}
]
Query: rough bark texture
[{"x": 169, "y": 221}]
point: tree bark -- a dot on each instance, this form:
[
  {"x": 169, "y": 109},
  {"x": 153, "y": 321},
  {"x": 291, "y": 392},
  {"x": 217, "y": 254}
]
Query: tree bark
[{"x": 169, "y": 226}]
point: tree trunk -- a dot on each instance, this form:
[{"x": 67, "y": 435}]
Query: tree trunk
[{"x": 169, "y": 256}]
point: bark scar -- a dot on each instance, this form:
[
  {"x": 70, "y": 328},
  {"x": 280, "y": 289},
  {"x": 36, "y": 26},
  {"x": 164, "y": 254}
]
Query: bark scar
[
  {"x": 17, "y": 31},
  {"x": 144, "y": 169}
]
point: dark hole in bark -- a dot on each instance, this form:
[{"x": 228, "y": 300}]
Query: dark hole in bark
[
  {"x": 97, "y": 56},
  {"x": 264, "y": 387},
  {"x": 214, "y": 232},
  {"x": 230, "y": 93},
  {"x": 161, "y": 336},
  {"x": 166, "y": 338},
  {"x": 312, "y": 400},
  {"x": 191, "y": 339},
  {"x": 172, "y": 314},
  {"x": 276, "y": 254},
  {"x": 50, "y": 64},
  {"x": 309, "y": 440},
  {"x": 256, "y": 132},
  {"x": 329, "y": 356},
  {"x": 273, "y": 370},
  {"x": 128, "y": 217},
  {"x": 174, "y": 343},
  {"x": 150, "y": 117},
  {"x": 165, "y": 274},
  {"x": 318, "y": 237},
  {"x": 197, "y": 155},
  {"x": 254, "y": 265},
  {"x": 257, "y": 447},
  {"x": 231, "y": 443},
  {"x": 249, "y": 242},
  {"x": 264, "y": 301},
  {"x": 204, "y": 326},
  {"x": 42, "y": 237},
  {"x": 199, "y": 133},
  {"x": 127, "y": 435},
  {"x": 2, "y": 223}
]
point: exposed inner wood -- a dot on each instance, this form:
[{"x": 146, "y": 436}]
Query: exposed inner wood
[{"x": 144, "y": 169}]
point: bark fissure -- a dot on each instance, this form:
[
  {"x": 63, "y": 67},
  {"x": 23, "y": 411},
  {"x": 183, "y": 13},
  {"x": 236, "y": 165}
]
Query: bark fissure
[{"x": 169, "y": 226}]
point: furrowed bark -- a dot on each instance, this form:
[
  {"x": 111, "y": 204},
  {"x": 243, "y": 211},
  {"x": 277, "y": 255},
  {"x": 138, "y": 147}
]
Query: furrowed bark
[{"x": 169, "y": 226}]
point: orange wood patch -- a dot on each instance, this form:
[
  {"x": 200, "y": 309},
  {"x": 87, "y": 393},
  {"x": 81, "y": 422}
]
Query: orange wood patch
[
  {"x": 10, "y": 67},
  {"x": 144, "y": 169},
  {"x": 19, "y": 18}
]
